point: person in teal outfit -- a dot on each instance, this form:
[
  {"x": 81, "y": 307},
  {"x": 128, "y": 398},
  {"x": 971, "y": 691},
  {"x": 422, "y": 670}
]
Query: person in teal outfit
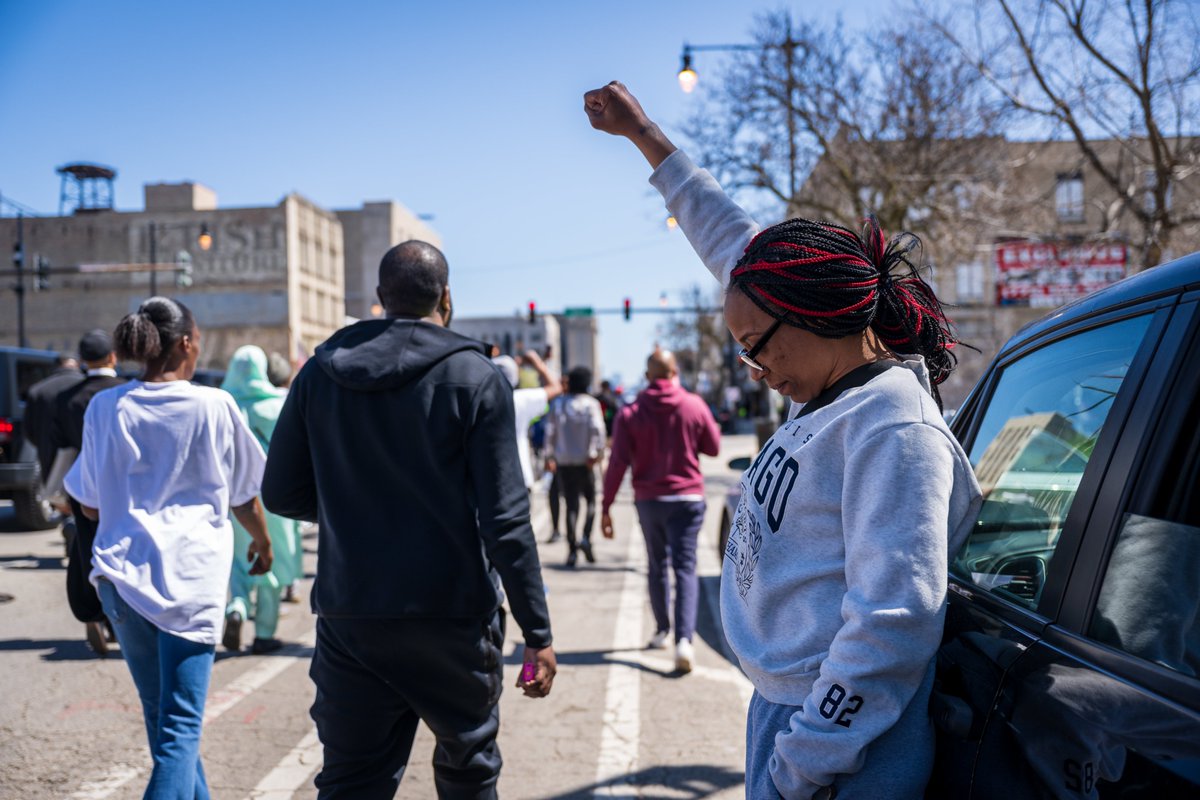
[
  {"x": 279, "y": 373},
  {"x": 260, "y": 402}
]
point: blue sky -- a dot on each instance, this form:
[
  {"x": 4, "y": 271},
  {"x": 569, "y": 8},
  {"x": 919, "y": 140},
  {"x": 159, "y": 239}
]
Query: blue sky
[{"x": 468, "y": 111}]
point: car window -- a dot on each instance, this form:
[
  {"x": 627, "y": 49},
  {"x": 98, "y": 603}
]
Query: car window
[
  {"x": 29, "y": 373},
  {"x": 1149, "y": 603},
  {"x": 1033, "y": 444},
  {"x": 1151, "y": 594}
]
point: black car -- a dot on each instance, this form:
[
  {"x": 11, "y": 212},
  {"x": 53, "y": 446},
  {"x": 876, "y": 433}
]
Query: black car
[
  {"x": 20, "y": 477},
  {"x": 1070, "y": 666}
]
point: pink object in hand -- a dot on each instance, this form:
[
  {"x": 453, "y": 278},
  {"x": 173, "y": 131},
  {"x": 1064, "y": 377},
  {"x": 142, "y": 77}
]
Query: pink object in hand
[{"x": 528, "y": 672}]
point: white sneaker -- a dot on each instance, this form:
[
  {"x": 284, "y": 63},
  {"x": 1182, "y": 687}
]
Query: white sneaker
[
  {"x": 684, "y": 656},
  {"x": 659, "y": 640}
]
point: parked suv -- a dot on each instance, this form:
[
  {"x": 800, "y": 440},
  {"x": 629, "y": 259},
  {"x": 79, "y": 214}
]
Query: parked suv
[
  {"x": 20, "y": 477},
  {"x": 1070, "y": 666}
]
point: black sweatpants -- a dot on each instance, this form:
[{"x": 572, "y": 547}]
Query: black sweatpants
[
  {"x": 376, "y": 678},
  {"x": 576, "y": 481}
]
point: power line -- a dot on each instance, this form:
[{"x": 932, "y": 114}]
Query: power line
[
  {"x": 552, "y": 262},
  {"x": 19, "y": 208}
]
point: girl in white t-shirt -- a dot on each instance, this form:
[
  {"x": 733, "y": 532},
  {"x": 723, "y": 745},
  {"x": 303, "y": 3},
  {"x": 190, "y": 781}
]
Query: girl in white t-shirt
[{"x": 163, "y": 464}]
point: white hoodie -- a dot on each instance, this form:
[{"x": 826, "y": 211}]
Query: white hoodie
[{"x": 834, "y": 583}]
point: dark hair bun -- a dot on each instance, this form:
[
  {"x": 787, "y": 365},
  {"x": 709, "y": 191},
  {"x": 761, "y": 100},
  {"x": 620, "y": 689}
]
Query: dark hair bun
[{"x": 149, "y": 333}]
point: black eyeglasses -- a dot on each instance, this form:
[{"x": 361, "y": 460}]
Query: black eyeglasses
[{"x": 748, "y": 356}]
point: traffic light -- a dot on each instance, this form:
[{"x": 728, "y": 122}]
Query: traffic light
[
  {"x": 628, "y": 309},
  {"x": 183, "y": 278},
  {"x": 532, "y": 312},
  {"x": 43, "y": 274}
]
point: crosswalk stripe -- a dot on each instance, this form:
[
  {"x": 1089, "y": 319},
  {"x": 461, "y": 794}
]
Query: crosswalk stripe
[
  {"x": 621, "y": 727},
  {"x": 218, "y": 703},
  {"x": 292, "y": 773}
]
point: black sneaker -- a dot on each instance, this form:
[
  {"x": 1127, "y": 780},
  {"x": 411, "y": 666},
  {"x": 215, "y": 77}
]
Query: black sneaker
[
  {"x": 233, "y": 631},
  {"x": 264, "y": 646},
  {"x": 586, "y": 547},
  {"x": 571, "y": 558}
]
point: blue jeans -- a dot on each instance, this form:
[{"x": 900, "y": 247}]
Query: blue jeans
[
  {"x": 171, "y": 675},
  {"x": 670, "y": 529}
]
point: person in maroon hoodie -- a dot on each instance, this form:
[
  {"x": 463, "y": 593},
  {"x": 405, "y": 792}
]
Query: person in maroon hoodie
[{"x": 661, "y": 435}]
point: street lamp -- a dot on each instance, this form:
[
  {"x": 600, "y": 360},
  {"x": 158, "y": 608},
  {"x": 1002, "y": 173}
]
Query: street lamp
[
  {"x": 688, "y": 80},
  {"x": 687, "y": 75},
  {"x": 204, "y": 241}
]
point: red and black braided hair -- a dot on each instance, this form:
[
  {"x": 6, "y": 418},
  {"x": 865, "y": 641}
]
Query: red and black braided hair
[{"x": 833, "y": 282}]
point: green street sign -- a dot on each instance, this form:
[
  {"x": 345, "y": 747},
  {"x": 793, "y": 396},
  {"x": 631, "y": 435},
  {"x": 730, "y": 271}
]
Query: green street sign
[{"x": 578, "y": 311}]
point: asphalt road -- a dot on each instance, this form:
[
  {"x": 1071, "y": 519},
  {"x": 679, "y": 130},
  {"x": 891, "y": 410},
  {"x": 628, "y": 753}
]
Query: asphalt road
[{"x": 619, "y": 723}]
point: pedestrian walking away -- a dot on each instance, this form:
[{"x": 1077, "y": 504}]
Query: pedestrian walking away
[
  {"x": 163, "y": 463},
  {"x": 833, "y": 587},
  {"x": 41, "y": 404},
  {"x": 66, "y": 439},
  {"x": 397, "y": 437},
  {"x": 575, "y": 442},
  {"x": 528, "y": 404},
  {"x": 279, "y": 373},
  {"x": 554, "y": 492},
  {"x": 661, "y": 436},
  {"x": 260, "y": 403}
]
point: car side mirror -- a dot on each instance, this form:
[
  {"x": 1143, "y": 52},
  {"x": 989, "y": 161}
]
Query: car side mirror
[{"x": 740, "y": 464}]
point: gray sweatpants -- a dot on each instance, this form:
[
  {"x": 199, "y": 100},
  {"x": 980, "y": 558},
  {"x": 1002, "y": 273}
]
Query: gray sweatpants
[{"x": 898, "y": 763}]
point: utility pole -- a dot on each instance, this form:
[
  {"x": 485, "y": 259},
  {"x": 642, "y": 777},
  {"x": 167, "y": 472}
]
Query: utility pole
[
  {"x": 18, "y": 258},
  {"x": 153, "y": 260}
]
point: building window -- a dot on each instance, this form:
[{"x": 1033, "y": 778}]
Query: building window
[
  {"x": 969, "y": 282},
  {"x": 1068, "y": 197}
]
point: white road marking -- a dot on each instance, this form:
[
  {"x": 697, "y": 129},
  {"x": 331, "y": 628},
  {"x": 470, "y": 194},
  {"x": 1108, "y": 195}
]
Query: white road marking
[
  {"x": 118, "y": 775},
  {"x": 218, "y": 703},
  {"x": 292, "y": 773},
  {"x": 621, "y": 728}
]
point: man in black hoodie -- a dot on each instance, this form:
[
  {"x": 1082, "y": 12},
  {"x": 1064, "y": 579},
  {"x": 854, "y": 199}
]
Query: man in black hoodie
[{"x": 397, "y": 438}]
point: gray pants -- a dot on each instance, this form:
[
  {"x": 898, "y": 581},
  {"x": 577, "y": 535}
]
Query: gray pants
[
  {"x": 898, "y": 763},
  {"x": 671, "y": 529}
]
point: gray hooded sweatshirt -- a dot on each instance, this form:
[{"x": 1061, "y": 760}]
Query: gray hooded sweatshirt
[{"x": 834, "y": 581}]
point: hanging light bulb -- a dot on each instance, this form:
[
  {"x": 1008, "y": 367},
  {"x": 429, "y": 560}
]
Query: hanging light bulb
[{"x": 687, "y": 75}]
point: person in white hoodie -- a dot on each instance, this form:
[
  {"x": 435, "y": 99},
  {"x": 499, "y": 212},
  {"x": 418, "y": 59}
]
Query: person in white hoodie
[{"x": 834, "y": 580}]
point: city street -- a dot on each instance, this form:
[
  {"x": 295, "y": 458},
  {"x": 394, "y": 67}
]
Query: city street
[{"x": 619, "y": 722}]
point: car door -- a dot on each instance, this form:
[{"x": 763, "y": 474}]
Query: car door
[
  {"x": 1041, "y": 432},
  {"x": 1107, "y": 702}
]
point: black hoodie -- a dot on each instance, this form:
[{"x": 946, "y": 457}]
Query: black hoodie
[{"x": 397, "y": 438}]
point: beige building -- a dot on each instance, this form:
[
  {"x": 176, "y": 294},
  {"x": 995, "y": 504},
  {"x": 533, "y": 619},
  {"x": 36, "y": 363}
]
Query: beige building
[
  {"x": 273, "y": 276},
  {"x": 368, "y": 233},
  {"x": 581, "y": 345}
]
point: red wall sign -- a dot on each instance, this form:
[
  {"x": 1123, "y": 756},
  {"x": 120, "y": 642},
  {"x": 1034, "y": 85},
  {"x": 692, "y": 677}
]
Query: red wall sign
[{"x": 1048, "y": 274}]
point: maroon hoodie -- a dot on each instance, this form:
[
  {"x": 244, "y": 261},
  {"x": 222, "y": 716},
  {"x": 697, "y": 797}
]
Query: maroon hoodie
[{"x": 661, "y": 435}]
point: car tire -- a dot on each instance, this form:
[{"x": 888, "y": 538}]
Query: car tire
[{"x": 32, "y": 512}]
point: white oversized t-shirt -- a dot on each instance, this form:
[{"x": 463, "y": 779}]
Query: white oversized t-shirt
[{"x": 163, "y": 463}]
